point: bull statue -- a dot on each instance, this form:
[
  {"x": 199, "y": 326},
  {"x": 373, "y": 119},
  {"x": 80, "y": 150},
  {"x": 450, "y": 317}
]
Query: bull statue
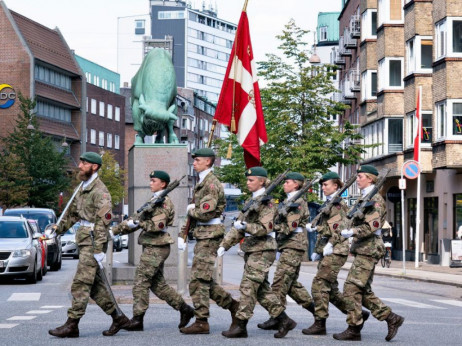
[{"x": 154, "y": 97}]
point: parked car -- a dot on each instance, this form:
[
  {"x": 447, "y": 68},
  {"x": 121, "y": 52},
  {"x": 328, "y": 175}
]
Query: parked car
[
  {"x": 69, "y": 246},
  {"x": 44, "y": 217},
  {"x": 124, "y": 241},
  {"x": 117, "y": 243},
  {"x": 20, "y": 250},
  {"x": 43, "y": 245}
]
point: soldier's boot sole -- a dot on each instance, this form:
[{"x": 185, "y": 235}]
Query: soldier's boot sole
[
  {"x": 271, "y": 324},
  {"x": 352, "y": 333},
  {"x": 317, "y": 328},
  {"x": 198, "y": 327},
  {"x": 393, "y": 326},
  {"x": 285, "y": 327}
]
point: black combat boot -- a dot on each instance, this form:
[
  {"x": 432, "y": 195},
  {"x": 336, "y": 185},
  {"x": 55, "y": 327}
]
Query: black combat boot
[
  {"x": 286, "y": 324},
  {"x": 394, "y": 321},
  {"x": 310, "y": 308},
  {"x": 118, "y": 322},
  {"x": 70, "y": 329},
  {"x": 136, "y": 324},
  {"x": 186, "y": 313},
  {"x": 233, "y": 310},
  {"x": 352, "y": 333},
  {"x": 237, "y": 330},
  {"x": 365, "y": 315},
  {"x": 317, "y": 328},
  {"x": 271, "y": 324},
  {"x": 200, "y": 326}
]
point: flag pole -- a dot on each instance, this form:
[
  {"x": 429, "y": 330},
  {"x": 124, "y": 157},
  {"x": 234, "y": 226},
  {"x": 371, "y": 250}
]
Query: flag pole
[
  {"x": 245, "y": 6},
  {"x": 417, "y": 224}
]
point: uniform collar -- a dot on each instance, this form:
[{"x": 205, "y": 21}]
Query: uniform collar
[
  {"x": 89, "y": 181},
  {"x": 157, "y": 194},
  {"x": 328, "y": 198},
  {"x": 368, "y": 189},
  {"x": 203, "y": 174},
  {"x": 291, "y": 194},
  {"x": 258, "y": 192}
]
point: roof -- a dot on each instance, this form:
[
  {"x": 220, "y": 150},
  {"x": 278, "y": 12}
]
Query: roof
[
  {"x": 46, "y": 44},
  {"x": 56, "y": 94}
]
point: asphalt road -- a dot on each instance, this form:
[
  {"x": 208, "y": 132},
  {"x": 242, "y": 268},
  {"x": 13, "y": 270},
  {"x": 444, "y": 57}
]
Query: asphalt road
[{"x": 433, "y": 315}]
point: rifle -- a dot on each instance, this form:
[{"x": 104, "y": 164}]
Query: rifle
[
  {"x": 254, "y": 203},
  {"x": 336, "y": 199},
  {"x": 356, "y": 212}
]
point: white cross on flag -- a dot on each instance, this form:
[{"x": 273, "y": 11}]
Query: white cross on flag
[{"x": 239, "y": 101}]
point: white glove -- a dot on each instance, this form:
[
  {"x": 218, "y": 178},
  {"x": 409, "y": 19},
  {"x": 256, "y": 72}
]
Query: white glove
[
  {"x": 315, "y": 257},
  {"x": 346, "y": 233},
  {"x": 240, "y": 224},
  {"x": 328, "y": 250},
  {"x": 111, "y": 234},
  {"x": 132, "y": 224},
  {"x": 189, "y": 207},
  {"x": 309, "y": 228},
  {"x": 181, "y": 244},
  {"x": 221, "y": 251},
  {"x": 378, "y": 232},
  {"x": 99, "y": 257}
]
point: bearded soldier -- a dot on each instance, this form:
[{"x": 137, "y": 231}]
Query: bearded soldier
[
  {"x": 367, "y": 248},
  {"x": 92, "y": 208},
  {"x": 292, "y": 244},
  {"x": 156, "y": 249}
]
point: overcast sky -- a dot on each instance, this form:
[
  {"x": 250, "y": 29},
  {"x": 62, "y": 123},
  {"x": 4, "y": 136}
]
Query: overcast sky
[{"x": 90, "y": 26}]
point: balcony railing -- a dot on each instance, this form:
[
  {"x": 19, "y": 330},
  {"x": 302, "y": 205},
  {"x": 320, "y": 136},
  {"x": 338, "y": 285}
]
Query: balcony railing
[
  {"x": 348, "y": 42},
  {"x": 336, "y": 58},
  {"x": 355, "y": 26},
  {"x": 355, "y": 80}
]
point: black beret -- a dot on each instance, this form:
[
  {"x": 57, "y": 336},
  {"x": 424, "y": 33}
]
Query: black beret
[
  {"x": 329, "y": 176},
  {"x": 91, "y": 157},
  {"x": 160, "y": 175},
  {"x": 368, "y": 169},
  {"x": 256, "y": 172},
  {"x": 203, "y": 152},
  {"x": 294, "y": 176}
]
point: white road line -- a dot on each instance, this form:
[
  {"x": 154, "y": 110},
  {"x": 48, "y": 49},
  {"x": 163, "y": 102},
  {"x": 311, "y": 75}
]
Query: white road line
[
  {"x": 7, "y": 325},
  {"x": 290, "y": 300},
  {"x": 37, "y": 312},
  {"x": 449, "y": 302},
  {"x": 21, "y": 318},
  {"x": 412, "y": 303},
  {"x": 23, "y": 297},
  {"x": 51, "y": 307}
]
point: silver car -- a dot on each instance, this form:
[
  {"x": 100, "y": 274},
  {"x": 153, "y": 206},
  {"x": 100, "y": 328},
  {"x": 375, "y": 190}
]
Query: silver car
[
  {"x": 20, "y": 249},
  {"x": 69, "y": 247}
]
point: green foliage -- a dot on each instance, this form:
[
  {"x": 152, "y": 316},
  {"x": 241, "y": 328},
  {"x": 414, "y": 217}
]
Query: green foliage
[
  {"x": 113, "y": 177},
  {"x": 40, "y": 167}
]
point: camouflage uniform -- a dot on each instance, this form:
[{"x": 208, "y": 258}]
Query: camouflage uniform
[
  {"x": 260, "y": 252},
  {"x": 210, "y": 203},
  {"x": 292, "y": 244},
  {"x": 156, "y": 249},
  {"x": 90, "y": 205},
  {"x": 368, "y": 248},
  {"x": 325, "y": 285}
]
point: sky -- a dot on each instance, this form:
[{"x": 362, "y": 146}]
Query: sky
[{"x": 90, "y": 26}]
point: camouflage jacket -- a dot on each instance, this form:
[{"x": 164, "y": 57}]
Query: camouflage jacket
[
  {"x": 260, "y": 223},
  {"x": 329, "y": 229},
  {"x": 365, "y": 241},
  {"x": 94, "y": 205},
  {"x": 154, "y": 227},
  {"x": 297, "y": 218},
  {"x": 209, "y": 198}
]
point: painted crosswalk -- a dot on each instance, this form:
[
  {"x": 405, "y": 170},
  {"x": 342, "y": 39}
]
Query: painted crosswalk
[
  {"x": 28, "y": 315},
  {"x": 411, "y": 303},
  {"x": 24, "y": 297},
  {"x": 449, "y": 302}
]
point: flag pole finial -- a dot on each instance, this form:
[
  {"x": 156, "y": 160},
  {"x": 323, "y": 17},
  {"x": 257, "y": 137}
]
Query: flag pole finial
[{"x": 245, "y": 6}]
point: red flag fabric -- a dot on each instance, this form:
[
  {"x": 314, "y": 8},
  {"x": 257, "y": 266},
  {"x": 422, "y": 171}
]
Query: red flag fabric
[
  {"x": 241, "y": 86},
  {"x": 418, "y": 128}
]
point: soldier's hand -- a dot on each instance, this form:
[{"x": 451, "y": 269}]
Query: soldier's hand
[
  {"x": 346, "y": 233},
  {"x": 111, "y": 234},
  {"x": 221, "y": 251},
  {"x": 309, "y": 228},
  {"x": 189, "y": 207},
  {"x": 181, "y": 244},
  {"x": 240, "y": 224},
  {"x": 132, "y": 224},
  {"x": 99, "y": 257},
  {"x": 315, "y": 257},
  {"x": 328, "y": 250}
]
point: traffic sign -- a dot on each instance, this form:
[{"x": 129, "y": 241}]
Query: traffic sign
[
  {"x": 411, "y": 169},
  {"x": 402, "y": 184},
  {"x": 344, "y": 194}
]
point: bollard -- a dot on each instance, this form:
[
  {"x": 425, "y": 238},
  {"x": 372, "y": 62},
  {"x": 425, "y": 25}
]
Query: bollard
[{"x": 109, "y": 260}]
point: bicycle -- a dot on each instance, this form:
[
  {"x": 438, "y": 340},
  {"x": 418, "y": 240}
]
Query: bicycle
[{"x": 386, "y": 259}]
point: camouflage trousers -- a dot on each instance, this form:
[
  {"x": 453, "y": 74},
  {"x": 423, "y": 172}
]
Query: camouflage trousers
[
  {"x": 357, "y": 291},
  {"x": 255, "y": 286},
  {"x": 150, "y": 276},
  {"x": 87, "y": 283},
  {"x": 286, "y": 276},
  {"x": 325, "y": 286},
  {"x": 202, "y": 286}
]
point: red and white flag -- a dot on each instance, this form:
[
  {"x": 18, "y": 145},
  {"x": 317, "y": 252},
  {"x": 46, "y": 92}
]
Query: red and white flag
[
  {"x": 239, "y": 103},
  {"x": 418, "y": 126}
]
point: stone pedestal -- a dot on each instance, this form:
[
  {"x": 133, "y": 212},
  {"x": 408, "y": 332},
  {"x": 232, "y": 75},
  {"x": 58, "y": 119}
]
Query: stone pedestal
[{"x": 142, "y": 160}]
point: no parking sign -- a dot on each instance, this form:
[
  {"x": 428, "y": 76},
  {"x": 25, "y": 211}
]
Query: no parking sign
[{"x": 411, "y": 169}]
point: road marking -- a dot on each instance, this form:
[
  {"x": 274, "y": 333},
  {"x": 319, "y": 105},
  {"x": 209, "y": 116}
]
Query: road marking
[
  {"x": 24, "y": 297},
  {"x": 51, "y": 307},
  {"x": 449, "y": 302},
  {"x": 290, "y": 300},
  {"x": 412, "y": 303},
  {"x": 21, "y": 318},
  {"x": 7, "y": 325},
  {"x": 38, "y": 312}
]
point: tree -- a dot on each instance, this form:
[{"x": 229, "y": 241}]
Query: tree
[
  {"x": 113, "y": 177},
  {"x": 41, "y": 167},
  {"x": 298, "y": 111}
]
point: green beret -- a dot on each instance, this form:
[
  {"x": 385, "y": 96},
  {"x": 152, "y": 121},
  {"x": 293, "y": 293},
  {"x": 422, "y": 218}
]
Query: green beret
[
  {"x": 294, "y": 176},
  {"x": 203, "y": 152},
  {"x": 368, "y": 169},
  {"x": 160, "y": 175},
  {"x": 256, "y": 172},
  {"x": 329, "y": 176},
  {"x": 91, "y": 157}
]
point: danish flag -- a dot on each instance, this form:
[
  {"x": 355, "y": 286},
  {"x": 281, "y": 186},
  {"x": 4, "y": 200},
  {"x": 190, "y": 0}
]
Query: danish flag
[{"x": 418, "y": 127}]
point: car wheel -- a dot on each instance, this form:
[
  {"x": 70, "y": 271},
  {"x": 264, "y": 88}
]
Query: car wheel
[
  {"x": 39, "y": 275},
  {"x": 56, "y": 265},
  {"x": 45, "y": 268},
  {"x": 60, "y": 263},
  {"x": 32, "y": 278}
]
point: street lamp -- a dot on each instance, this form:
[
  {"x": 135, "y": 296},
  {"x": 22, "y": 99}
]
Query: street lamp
[{"x": 314, "y": 58}]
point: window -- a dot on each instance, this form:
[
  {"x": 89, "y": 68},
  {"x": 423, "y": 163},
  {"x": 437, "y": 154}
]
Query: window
[
  {"x": 323, "y": 33},
  {"x": 457, "y": 214},
  {"x": 449, "y": 119},
  {"x": 140, "y": 26},
  {"x": 93, "y": 136},
  {"x": 457, "y": 118},
  {"x": 116, "y": 142},
  {"x": 109, "y": 140},
  {"x": 117, "y": 114},
  {"x": 171, "y": 15},
  {"x": 391, "y": 73},
  {"x": 395, "y": 135},
  {"x": 52, "y": 77},
  {"x": 419, "y": 55},
  {"x": 385, "y": 134},
  {"x": 448, "y": 38},
  {"x": 48, "y": 110},
  {"x": 369, "y": 24},
  {"x": 390, "y": 12},
  {"x": 369, "y": 85},
  {"x": 93, "y": 106},
  {"x": 441, "y": 119},
  {"x": 101, "y": 139},
  {"x": 109, "y": 111},
  {"x": 101, "y": 108},
  {"x": 427, "y": 129}
]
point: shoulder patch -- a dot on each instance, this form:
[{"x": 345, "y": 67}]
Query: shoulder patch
[
  {"x": 338, "y": 206},
  {"x": 376, "y": 224},
  {"x": 206, "y": 206},
  {"x": 294, "y": 224},
  {"x": 377, "y": 205},
  {"x": 270, "y": 225},
  {"x": 212, "y": 186},
  {"x": 161, "y": 225},
  {"x": 335, "y": 226},
  {"x": 108, "y": 216}
]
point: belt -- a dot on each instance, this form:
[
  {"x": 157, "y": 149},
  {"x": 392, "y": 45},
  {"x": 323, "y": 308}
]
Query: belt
[
  {"x": 215, "y": 221},
  {"x": 298, "y": 230},
  {"x": 86, "y": 223}
]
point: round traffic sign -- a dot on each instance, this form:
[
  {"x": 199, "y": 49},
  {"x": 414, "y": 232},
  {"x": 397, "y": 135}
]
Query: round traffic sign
[{"x": 411, "y": 169}]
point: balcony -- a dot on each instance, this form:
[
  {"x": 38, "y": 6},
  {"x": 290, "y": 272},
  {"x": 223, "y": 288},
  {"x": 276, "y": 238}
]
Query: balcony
[
  {"x": 345, "y": 87},
  {"x": 348, "y": 41},
  {"x": 355, "y": 80},
  {"x": 340, "y": 97},
  {"x": 355, "y": 26},
  {"x": 336, "y": 58}
]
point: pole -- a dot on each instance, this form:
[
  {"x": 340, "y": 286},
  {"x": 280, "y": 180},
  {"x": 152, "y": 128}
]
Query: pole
[
  {"x": 417, "y": 223},
  {"x": 245, "y": 6},
  {"x": 403, "y": 233}
]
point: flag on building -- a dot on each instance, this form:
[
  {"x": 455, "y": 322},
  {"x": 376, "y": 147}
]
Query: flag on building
[
  {"x": 418, "y": 126},
  {"x": 239, "y": 105}
]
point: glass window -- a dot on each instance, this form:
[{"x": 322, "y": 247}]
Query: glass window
[
  {"x": 93, "y": 106},
  {"x": 427, "y": 128},
  {"x": 374, "y": 23},
  {"x": 373, "y": 83},
  {"x": 426, "y": 49},
  {"x": 116, "y": 142},
  {"x": 323, "y": 33},
  {"x": 457, "y": 36},
  {"x": 395, "y": 73},
  {"x": 457, "y": 215},
  {"x": 93, "y": 136},
  {"x": 430, "y": 225},
  {"x": 441, "y": 119},
  {"x": 101, "y": 139},
  {"x": 412, "y": 212},
  {"x": 101, "y": 108},
  {"x": 109, "y": 140},
  {"x": 440, "y": 38},
  {"x": 457, "y": 119},
  {"x": 117, "y": 114},
  {"x": 109, "y": 111},
  {"x": 395, "y": 135}
]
